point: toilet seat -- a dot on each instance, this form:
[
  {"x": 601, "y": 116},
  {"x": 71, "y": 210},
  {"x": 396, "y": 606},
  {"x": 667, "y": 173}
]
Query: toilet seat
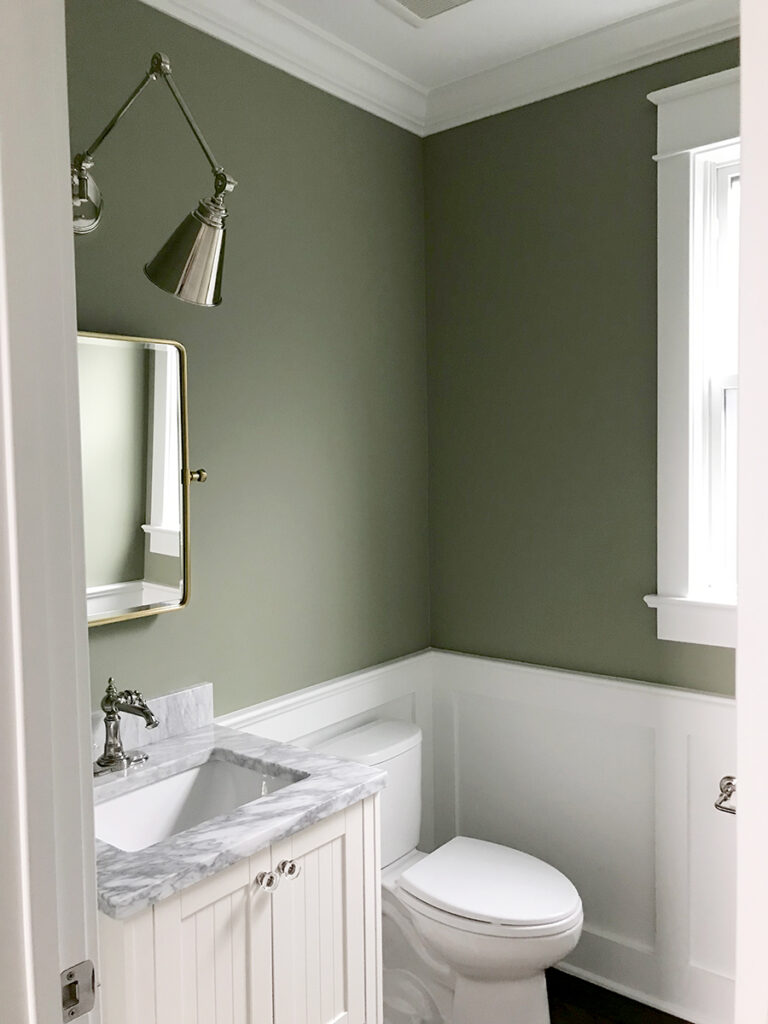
[
  {"x": 500, "y": 931},
  {"x": 489, "y": 889}
]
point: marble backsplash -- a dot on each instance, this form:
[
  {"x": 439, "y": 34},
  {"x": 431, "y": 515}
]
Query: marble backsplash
[{"x": 178, "y": 713}]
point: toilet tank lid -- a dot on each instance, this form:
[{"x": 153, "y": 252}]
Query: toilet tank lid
[{"x": 373, "y": 743}]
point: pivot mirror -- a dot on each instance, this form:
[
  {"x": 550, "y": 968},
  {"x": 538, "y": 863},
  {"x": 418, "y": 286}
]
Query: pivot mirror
[{"x": 133, "y": 424}]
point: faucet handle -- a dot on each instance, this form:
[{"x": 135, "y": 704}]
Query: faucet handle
[{"x": 110, "y": 696}]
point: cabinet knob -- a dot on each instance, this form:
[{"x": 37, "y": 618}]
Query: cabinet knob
[
  {"x": 267, "y": 880},
  {"x": 289, "y": 869}
]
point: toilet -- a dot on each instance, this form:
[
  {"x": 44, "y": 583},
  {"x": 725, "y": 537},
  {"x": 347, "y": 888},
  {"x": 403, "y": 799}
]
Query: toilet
[{"x": 468, "y": 930}]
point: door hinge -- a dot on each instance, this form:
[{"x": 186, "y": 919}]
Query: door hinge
[{"x": 78, "y": 990}]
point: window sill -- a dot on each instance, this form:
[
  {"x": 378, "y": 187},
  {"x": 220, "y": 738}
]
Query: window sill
[{"x": 694, "y": 622}]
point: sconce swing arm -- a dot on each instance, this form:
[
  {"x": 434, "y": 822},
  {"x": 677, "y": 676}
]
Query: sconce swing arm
[
  {"x": 189, "y": 264},
  {"x": 160, "y": 67}
]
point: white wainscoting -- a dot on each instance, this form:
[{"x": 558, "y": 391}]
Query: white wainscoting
[
  {"x": 397, "y": 689},
  {"x": 613, "y": 782}
]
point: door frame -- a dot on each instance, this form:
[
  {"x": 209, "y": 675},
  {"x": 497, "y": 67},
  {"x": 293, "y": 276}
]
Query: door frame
[
  {"x": 47, "y": 861},
  {"x": 752, "y": 649},
  {"x": 47, "y": 900}
]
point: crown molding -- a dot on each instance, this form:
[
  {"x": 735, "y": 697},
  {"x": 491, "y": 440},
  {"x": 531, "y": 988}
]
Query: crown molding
[
  {"x": 625, "y": 46},
  {"x": 274, "y": 35},
  {"x": 396, "y": 8},
  {"x": 268, "y": 31}
]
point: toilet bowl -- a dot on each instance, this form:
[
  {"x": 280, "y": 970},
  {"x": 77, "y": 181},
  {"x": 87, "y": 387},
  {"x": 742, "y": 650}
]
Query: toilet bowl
[
  {"x": 498, "y": 918},
  {"x": 468, "y": 929}
]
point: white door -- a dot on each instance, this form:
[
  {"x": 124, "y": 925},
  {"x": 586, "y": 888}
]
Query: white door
[
  {"x": 47, "y": 896},
  {"x": 752, "y": 651}
]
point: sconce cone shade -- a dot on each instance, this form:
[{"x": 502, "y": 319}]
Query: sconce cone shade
[{"x": 190, "y": 263}]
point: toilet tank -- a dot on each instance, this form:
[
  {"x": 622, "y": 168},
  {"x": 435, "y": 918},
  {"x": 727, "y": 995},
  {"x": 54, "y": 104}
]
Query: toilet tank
[{"x": 395, "y": 747}]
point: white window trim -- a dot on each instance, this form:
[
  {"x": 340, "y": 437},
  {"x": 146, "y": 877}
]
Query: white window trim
[
  {"x": 693, "y": 115},
  {"x": 164, "y": 528}
]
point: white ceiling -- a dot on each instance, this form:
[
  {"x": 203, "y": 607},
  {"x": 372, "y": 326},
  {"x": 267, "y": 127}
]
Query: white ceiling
[
  {"x": 473, "y": 60},
  {"x": 461, "y": 42}
]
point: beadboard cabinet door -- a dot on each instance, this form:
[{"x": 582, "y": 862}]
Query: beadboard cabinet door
[
  {"x": 213, "y": 950},
  {"x": 318, "y": 924}
]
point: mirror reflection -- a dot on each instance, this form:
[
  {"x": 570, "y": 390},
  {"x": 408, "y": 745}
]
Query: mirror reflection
[{"x": 135, "y": 478}]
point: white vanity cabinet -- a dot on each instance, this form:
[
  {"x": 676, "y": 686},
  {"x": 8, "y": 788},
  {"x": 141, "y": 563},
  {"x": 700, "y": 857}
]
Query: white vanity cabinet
[{"x": 228, "y": 951}]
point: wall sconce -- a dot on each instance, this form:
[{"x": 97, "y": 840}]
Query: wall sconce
[{"x": 190, "y": 263}]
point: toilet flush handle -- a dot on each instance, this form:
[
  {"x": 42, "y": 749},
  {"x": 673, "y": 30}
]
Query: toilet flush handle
[{"x": 727, "y": 791}]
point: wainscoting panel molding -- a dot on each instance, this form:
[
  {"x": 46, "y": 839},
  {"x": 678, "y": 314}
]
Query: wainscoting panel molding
[
  {"x": 613, "y": 782},
  {"x": 397, "y": 689}
]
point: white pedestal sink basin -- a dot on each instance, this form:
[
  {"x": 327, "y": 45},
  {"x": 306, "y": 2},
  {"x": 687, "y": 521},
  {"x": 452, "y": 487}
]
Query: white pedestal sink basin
[{"x": 145, "y": 816}]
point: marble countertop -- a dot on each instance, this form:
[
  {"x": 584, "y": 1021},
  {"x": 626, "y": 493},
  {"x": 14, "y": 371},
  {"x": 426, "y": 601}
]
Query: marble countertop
[{"x": 130, "y": 881}]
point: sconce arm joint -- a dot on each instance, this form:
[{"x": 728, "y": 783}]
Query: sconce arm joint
[{"x": 160, "y": 67}]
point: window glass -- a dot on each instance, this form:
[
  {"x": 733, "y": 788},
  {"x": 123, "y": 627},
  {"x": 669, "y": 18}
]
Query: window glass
[{"x": 714, "y": 369}]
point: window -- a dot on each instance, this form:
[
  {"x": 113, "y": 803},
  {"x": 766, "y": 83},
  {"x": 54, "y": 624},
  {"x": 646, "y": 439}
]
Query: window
[
  {"x": 714, "y": 371},
  {"x": 164, "y": 455},
  {"x": 698, "y": 231}
]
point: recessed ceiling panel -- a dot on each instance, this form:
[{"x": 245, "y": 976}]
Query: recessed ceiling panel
[
  {"x": 421, "y": 10},
  {"x": 468, "y": 38}
]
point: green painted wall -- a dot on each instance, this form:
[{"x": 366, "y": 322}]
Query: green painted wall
[
  {"x": 309, "y": 396},
  {"x": 307, "y": 386},
  {"x": 541, "y": 270}
]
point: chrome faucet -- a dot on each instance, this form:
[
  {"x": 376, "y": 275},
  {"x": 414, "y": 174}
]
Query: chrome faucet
[{"x": 114, "y": 758}]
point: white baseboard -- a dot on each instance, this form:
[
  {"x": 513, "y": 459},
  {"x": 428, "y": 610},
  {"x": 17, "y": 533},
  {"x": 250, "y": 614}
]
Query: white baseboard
[
  {"x": 622, "y": 990},
  {"x": 611, "y": 781}
]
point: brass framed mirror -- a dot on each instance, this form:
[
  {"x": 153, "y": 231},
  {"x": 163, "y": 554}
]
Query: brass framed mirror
[{"x": 136, "y": 477}]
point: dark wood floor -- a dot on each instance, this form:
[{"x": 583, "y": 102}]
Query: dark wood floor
[{"x": 572, "y": 1001}]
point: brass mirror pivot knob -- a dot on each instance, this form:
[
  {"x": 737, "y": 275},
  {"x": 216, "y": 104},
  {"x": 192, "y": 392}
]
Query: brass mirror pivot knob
[{"x": 198, "y": 476}]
